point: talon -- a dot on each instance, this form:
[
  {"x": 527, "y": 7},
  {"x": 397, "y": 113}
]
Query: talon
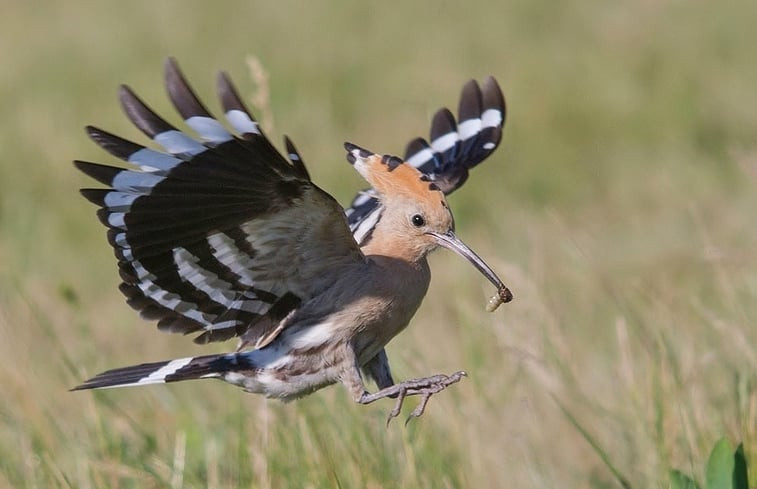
[
  {"x": 424, "y": 387},
  {"x": 420, "y": 409},
  {"x": 397, "y": 406}
]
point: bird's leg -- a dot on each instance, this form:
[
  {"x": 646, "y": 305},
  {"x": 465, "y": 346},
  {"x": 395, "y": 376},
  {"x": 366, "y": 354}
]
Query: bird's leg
[
  {"x": 378, "y": 369},
  {"x": 425, "y": 387}
]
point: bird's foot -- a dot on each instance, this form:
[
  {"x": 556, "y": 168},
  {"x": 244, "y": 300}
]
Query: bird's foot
[{"x": 424, "y": 387}]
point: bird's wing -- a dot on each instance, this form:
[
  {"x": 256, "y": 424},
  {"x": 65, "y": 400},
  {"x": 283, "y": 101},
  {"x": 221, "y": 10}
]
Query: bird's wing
[
  {"x": 454, "y": 148},
  {"x": 223, "y": 236}
]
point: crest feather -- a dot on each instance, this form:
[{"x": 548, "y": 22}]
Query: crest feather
[{"x": 390, "y": 175}]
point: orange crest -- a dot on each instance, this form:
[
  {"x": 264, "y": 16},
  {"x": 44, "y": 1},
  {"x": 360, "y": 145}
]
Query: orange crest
[{"x": 390, "y": 176}]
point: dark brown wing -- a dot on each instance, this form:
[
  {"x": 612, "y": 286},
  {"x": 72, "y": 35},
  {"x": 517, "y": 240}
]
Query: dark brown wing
[{"x": 222, "y": 237}]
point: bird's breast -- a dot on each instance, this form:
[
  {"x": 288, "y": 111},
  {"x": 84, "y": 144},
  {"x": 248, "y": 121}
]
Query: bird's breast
[
  {"x": 365, "y": 308},
  {"x": 399, "y": 289}
]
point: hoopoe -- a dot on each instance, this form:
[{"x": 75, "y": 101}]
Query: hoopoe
[{"x": 225, "y": 238}]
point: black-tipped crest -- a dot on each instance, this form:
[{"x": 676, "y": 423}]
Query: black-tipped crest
[{"x": 391, "y": 161}]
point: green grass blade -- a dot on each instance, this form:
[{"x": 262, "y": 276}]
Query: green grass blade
[
  {"x": 622, "y": 480},
  {"x": 679, "y": 480},
  {"x": 740, "y": 479},
  {"x": 720, "y": 466}
]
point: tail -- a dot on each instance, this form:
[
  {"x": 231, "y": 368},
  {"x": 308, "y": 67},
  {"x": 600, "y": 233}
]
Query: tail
[{"x": 207, "y": 366}]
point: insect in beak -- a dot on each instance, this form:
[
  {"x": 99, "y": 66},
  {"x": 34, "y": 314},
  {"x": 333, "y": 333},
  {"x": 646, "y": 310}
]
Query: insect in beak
[{"x": 452, "y": 242}]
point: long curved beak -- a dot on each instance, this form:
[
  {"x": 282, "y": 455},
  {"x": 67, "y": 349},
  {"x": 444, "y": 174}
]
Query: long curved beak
[{"x": 452, "y": 242}]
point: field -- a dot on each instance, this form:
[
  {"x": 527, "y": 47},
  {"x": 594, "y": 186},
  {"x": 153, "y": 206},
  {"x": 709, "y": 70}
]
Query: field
[{"x": 621, "y": 209}]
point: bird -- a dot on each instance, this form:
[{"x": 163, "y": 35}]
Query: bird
[{"x": 221, "y": 236}]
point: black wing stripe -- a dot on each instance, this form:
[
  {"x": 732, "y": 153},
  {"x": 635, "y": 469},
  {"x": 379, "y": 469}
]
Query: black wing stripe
[
  {"x": 294, "y": 156},
  {"x": 253, "y": 139},
  {"x": 470, "y": 111},
  {"x": 199, "y": 269},
  {"x": 189, "y": 310},
  {"x": 471, "y": 105},
  {"x": 200, "y": 266},
  {"x": 170, "y": 284},
  {"x": 163, "y": 133},
  {"x": 171, "y": 303},
  {"x": 422, "y": 156},
  {"x": 365, "y": 226},
  {"x": 117, "y": 201},
  {"x": 120, "y": 179},
  {"x": 444, "y": 137},
  {"x": 236, "y": 258},
  {"x": 363, "y": 215},
  {"x": 141, "y": 115},
  {"x": 146, "y": 159},
  {"x": 236, "y": 113},
  {"x": 493, "y": 99},
  {"x": 494, "y": 113},
  {"x": 364, "y": 197},
  {"x": 191, "y": 109}
]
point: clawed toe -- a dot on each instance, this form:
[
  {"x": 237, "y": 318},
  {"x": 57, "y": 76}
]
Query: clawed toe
[{"x": 425, "y": 387}]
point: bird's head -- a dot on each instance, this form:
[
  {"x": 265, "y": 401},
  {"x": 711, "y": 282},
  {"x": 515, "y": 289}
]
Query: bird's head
[{"x": 416, "y": 218}]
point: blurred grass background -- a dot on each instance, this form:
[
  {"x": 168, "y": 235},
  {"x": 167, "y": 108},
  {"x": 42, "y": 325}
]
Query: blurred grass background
[{"x": 621, "y": 209}]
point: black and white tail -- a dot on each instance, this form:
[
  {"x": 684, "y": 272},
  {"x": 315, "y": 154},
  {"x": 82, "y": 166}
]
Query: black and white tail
[{"x": 204, "y": 367}]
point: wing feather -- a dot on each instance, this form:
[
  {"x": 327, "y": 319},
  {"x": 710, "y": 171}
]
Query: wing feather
[{"x": 223, "y": 236}]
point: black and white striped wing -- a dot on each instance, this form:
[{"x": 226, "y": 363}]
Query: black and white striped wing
[
  {"x": 222, "y": 237},
  {"x": 455, "y": 147}
]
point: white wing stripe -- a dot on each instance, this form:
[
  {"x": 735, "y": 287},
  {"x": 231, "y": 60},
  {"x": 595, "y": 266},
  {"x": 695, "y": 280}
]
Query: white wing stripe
[
  {"x": 443, "y": 143},
  {"x": 366, "y": 225},
  {"x": 421, "y": 157},
  {"x": 120, "y": 201},
  {"x": 242, "y": 122},
  {"x": 150, "y": 160},
  {"x": 209, "y": 129},
  {"x": 136, "y": 181},
  {"x": 469, "y": 128},
  {"x": 164, "y": 298},
  {"x": 363, "y": 197},
  {"x": 126, "y": 252},
  {"x": 116, "y": 219},
  {"x": 176, "y": 142},
  {"x": 491, "y": 118},
  {"x": 204, "y": 280},
  {"x": 221, "y": 325},
  {"x": 227, "y": 253},
  {"x": 120, "y": 240}
]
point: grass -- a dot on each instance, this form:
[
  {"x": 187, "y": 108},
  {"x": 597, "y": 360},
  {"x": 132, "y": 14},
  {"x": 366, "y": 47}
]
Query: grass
[{"x": 620, "y": 209}]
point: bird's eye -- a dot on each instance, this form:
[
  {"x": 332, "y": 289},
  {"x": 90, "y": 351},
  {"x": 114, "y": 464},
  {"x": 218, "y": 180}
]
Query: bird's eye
[{"x": 418, "y": 220}]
